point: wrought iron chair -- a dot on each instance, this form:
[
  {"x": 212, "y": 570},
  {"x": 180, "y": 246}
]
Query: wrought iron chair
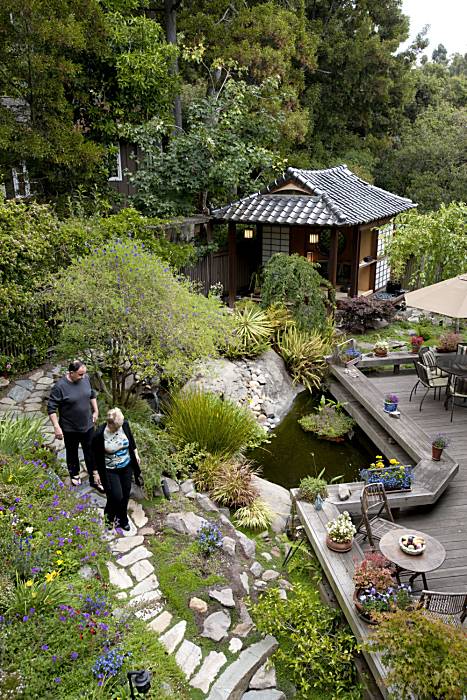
[
  {"x": 373, "y": 502},
  {"x": 429, "y": 380},
  {"x": 428, "y": 358},
  {"x": 457, "y": 389},
  {"x": 461, "y": 349},
  {"x": 448, "y": 607}
]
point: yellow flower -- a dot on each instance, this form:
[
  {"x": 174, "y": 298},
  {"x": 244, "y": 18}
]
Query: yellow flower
[
  {"x": 59, "y": 562},
  {"x": 59, "y": 551},
  {"x": 34, "y": 594},
  {"x": 10, "y": 478},
  {"x": 29, "y": 583},
  {"x": 393, "y": 461},
  {"x": 379, "y": 456},
  {"x": 50, "y": 577}
]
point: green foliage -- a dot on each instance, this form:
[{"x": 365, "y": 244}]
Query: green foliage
[
  {"x": 328, "y": 421},
  {"x": 436, "y": 240},
  {"x": 316, "y": 650},
  {"x": 426, "y": 658},
  {"x": 206, "y": 472},
  {"x": 255, "y": 516},
  {"x": 252, "y": 331},
  {"x": 293, "y": 281},
  {"x": 311, "y": 487},
  {"x": 18, "y": 433},
  {"x": 140, "y": 319},
  {"x": 156, "y": 452},
  {"x": 232, "y": 484},
  {"x": 303, "y": 353},
  {"x": 218, "y": 427},
  {"x": 361, "y": 313}
]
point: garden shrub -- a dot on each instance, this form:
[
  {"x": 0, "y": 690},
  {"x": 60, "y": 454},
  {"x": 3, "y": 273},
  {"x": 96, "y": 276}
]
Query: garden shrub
[
  {"x": 18, "y": 433},
  {"x": 217, "y": 426},
  {"x": 232, "y": 484},
  {"x": 426, "y": 658},
  {"x": 314, "y": 648},
  {"x": 295, "y": 282},
  {"x": 311, "y": 487},
  {"x": 362, "y": 313},
  {"x": 252, "y": 331},
  {"x": 156, "y": 451},
  {"x": 303, "y": 353},
  {"x": 255, "y": 516}
]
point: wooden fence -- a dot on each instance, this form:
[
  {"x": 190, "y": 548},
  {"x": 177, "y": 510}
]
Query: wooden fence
[{"x": 214, "y": 268}]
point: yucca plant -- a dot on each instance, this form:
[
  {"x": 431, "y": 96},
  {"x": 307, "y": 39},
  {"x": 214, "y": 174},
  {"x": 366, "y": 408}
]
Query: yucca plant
[
  {"x": 252, "y": 331},
  {"x": 217, "y": 426},
  {"x": 279, "y": 317},
  {"x": 232, "y": 484},
  {"x": 303, "y": 353},
  {"x": 18, "y": 433},
  {"x": 256, "y": 516}
]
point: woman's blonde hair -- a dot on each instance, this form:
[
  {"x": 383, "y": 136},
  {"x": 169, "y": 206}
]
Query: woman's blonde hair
[{"x": 115, "y": 416}]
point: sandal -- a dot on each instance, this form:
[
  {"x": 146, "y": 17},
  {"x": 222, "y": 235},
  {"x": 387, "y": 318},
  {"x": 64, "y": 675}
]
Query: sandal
[
  {"x": 98, "y": 487},
  {"x": 75, "y": 481}
]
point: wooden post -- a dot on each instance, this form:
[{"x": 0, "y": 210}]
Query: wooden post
[
  {"x": 355, "y": 261},
  {"x": 332, "y": 269},
  {"x": 232, "y": 228}
]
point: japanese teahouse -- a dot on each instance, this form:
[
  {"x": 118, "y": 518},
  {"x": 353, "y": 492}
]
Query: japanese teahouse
[{"x": 330, "y": 216}]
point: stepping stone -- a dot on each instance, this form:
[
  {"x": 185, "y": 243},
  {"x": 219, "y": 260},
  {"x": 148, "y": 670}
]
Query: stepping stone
[
  {"x": 146, "y": 614},
  {"x": 161, "y": 622},
  {"x": 235, "y": 645},
  {"x": 234, "y": 681},
  {"x": 270, "y": 694},
  {"x": 198, "y": 605},
  {"x": 228, "y": 545},
  {"x": 171, "y": 639},
  {"x": 212, "y": 664},
  {"x": 224, "y": 597},
  {"x": 118, "y": 577},
  {"x": 188, "y": 657},
  {"x": 134, "y": 556},
  {"x": 184, "y": 523},
  {"x": 124, "y": 544},
  {"x": 148, "y": 597},
  {"x": 245, "y": 582},
  {"x": 270, "y": 575},
  {"x": 265, "y": 677},
  {"x": 142, "y": 569},
  {"x": 139, "y": 516},
  {"x": 147, "y": 530},
  {"x": 148, "y": 584},
  {"x": 216, "y": 625},
  {"x": 256, "y": 569}
]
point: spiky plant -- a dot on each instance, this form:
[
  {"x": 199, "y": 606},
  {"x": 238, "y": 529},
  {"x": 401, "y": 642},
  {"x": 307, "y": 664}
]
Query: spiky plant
[
  {"x": 218, "y": 426},
  {"x": 303, "y": 353},
  {"x": 256, "y": 516},
  {"x": 252, "y": 331},
  {"x": 233, "y": 485},
  {"x": 18, "y": 433}
]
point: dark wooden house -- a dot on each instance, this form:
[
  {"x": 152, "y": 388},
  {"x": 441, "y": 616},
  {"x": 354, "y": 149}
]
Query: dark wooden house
[{"x": 330, "y": 216}]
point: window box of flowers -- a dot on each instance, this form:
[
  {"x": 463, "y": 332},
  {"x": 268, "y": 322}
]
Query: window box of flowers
[
  {"x": 416, "y": 342},
  {"x": 391, "y": 401},
  {"x": 341, "y": 532},
  {"x": 395, "y": 476},
  {"x": 350, "y": 357},
  {"x": 438, "y": 444},
  {"x": 381, "y": 348}
]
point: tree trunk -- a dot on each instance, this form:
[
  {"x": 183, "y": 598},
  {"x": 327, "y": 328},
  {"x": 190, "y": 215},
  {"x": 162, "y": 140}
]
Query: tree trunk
[{"x": 170, "y": 16}]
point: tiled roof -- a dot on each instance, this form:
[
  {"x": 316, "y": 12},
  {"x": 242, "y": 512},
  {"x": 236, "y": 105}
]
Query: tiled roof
[{"x": 337, "y": 198}]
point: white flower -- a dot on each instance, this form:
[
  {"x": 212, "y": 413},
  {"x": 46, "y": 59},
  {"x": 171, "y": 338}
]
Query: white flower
[
  {"x": 29, "y": 530},
  {"x": 341, "y": 529}
]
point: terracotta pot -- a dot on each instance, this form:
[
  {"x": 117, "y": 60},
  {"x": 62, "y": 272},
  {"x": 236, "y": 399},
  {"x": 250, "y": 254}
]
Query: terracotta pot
[
  {"x": 380, "y": 353},
  {"x": 338, "y": 546},
  {"x": 436, "y": 453}
]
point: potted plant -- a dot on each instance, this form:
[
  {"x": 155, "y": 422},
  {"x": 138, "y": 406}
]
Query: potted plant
[
  {"x": 313, "y": 489},
  {"x": 391, "y": 401},
  {"x": 448, "y": 342},
  {"x": 371, "y": 602},
  {"x": 381, "y": 348},
  {"x": 350, "y": 356},
  {"x": 341, "y": 531},
  {"x": 438, "y": 444},
  {"x": 416, "y": 341},
  {"x": 395, "y": 476}
]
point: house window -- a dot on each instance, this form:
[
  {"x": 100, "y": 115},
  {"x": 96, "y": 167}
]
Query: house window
[
  {"x": 20, "y": 177},
  {"x": 275, "y": 240},
  {"x": 382, "y": 268},
  {"x": 115, "y": 164}
]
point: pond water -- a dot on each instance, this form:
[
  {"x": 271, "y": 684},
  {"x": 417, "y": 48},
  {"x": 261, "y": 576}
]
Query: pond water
[{"x": 293, "y": 453}]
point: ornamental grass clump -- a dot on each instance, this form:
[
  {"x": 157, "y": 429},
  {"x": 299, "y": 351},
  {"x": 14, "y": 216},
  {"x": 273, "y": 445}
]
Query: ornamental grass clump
[
  {"x": 217, "y": 426},
  {"x": 18, "y": 433},
  {"x": 341, "y": 529},
  {"x": 303, "y": 353},
  {"x": 256, "y": 516},
  {"x": 232, "y": 484}
]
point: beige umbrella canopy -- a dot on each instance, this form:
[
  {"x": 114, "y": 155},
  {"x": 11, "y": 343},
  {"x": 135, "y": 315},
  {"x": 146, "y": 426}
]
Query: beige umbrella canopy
[{"x": 448, "y": 298}]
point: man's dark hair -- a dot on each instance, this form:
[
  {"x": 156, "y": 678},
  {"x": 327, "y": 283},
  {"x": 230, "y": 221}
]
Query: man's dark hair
[{"x": 75, "y": 365}]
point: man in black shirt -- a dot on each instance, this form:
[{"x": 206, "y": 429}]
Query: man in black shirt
[{"x": 75, "y": 400}]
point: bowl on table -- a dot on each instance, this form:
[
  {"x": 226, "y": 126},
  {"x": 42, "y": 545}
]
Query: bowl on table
[{"x": 412, "y": 544}]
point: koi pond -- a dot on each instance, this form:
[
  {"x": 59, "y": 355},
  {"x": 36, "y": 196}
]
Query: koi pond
[{"x": 294, "y": 453}]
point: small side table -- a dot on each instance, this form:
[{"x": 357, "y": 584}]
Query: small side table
[{"x": 418, "y": 564}]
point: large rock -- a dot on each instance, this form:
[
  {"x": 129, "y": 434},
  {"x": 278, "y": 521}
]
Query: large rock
[
  {"x": 184, "y": 523},
  {"x": 208, "y": 671},
  {"x": 269, "y": 694},
  {"x": 277, "y": 498},
  {"x": 18, "y": 393},
  {"x": 232, "y": 684},
  {"x": 265, "y": 677}
]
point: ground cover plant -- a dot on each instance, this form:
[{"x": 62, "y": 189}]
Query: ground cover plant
[{"x": 328, "y": 421}]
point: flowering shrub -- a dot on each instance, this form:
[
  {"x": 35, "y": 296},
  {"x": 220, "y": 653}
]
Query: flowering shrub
[
  {"x": 395, "y": 476},
  {"x": 109, "y": 664},
  {"x": 209, "y": 538},
  {"x": 341, "y": 529},
  {"x": 373, "y": 571},
  {"x": 448, "y": 342},
  {"x": 416, "y": 341},
  {"x": 440, "y": 441}
]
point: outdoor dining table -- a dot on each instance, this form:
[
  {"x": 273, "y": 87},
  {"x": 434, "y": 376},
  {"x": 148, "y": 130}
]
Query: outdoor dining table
[
  {"x": 416, "y": 564},
  {"x": 455, "y": 366}
]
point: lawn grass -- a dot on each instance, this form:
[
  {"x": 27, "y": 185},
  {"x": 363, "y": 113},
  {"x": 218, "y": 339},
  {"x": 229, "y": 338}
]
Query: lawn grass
[{"x": 399, "y": 330}]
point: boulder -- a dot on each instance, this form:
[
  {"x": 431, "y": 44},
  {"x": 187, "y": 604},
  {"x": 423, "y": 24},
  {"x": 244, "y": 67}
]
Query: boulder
[
  {"x": 277, "y": 498},
  {"x": 198, "y": 605},
  {"x": 343, "y": 492},
  {"x": 246, "y": 545},
  {"x": 185, "y": 523}
]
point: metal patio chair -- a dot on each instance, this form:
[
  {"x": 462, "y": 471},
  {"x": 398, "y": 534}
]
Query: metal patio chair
[
  {"x": 429, "y": 380},
  {"x": 461, "y": 349},
  {"x": 457, "y": 389},
  {"x": 374, "y": 502},
  {"x": 448, "y": 607}
]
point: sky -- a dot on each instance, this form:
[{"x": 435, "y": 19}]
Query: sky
[{"x": 447, "y": 20}]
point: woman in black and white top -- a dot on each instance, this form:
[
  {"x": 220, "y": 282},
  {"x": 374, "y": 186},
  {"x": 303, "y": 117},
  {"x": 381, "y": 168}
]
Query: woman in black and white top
[{"x": 117, "y": 461}]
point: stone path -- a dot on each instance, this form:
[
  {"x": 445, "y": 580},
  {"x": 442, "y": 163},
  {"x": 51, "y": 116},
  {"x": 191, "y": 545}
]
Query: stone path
[{"x": 132, "y": 572}]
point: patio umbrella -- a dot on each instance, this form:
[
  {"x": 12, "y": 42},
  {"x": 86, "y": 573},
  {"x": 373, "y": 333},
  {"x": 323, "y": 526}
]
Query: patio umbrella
[{"x": 448, "y": 298}]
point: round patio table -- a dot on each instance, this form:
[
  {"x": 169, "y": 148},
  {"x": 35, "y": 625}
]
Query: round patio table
[
  {"x": 417, "y": 564},
  {"x": 453, "y": 364}
]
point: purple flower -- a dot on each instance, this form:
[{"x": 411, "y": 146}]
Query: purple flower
[
  {"x": 25, "y": 618},
  {"x": 54, "y": 658},
  {"x": 58, "y": 679},
  {"x": 74, "y": 655},
  {"x": 45, "y": 647}
]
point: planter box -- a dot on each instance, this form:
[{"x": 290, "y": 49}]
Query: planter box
[{"x": 389, "y": 476}]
